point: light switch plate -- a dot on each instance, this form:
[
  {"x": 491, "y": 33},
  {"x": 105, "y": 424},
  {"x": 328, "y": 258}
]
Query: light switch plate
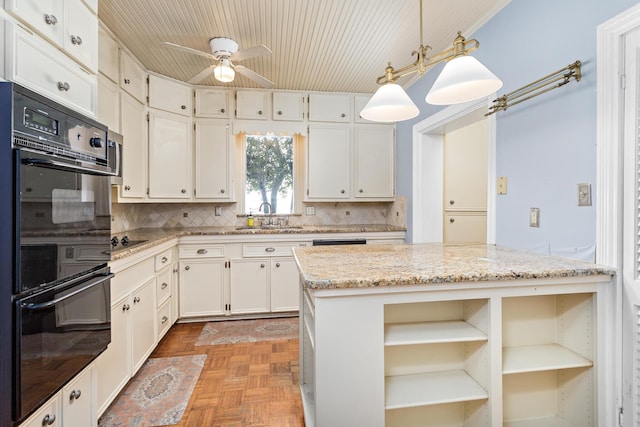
[
  {"x": 534, "y": 217},
  {"x": 584, "y": 194},
  {"x": 502, "y": 185}
]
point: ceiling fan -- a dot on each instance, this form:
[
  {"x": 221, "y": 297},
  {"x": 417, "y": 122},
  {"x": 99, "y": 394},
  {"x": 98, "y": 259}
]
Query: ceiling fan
[{"x": 225, "y": 50}]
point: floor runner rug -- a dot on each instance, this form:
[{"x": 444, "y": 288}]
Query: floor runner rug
[
  {"x": 157, "y": 395},
  {"x": 239, "y": 331}
]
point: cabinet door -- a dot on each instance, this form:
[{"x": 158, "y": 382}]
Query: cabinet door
[
  {"x": 201, "y": 287},
  {"x": 143, "y": 324},
  {"x": 113, "y": 366},
  {"x": 108, "y": 103},
  {"x": 212, "y": 160},
  {"x": 212, "y": 103},
  {"x": 359, "y": 102},
  {"x": 169, "y": 96},
  {"x": 49, "y": 414},
  {"x": 374, "y": 161},
  {"x": 169, "y": 155},
  {"x": 132, "y": 77},
  {"x": 465, "y": 228},
  {"x": 329, "y": 108},
  {"x": 81, "y": 33},
  {"x": 329, "y": 154},
  {"x": 79, "y": 401},
  {"x": 248, "y": 286},
  {"x": 252, "y": 105},
  {"x": 134, "y": 147},
  {"x": 285, "y": 284},
  {"x": 288, "y": 106},
  {"x": 108, "y": 51},
  {"x": 44, "y": 16}
]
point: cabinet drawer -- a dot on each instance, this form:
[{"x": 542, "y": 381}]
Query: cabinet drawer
[
  {"x": 251, "y": 250},
  {"x": 164, "y": 318},
  {"x": 163, "y": 286},
  {"x": 202, "y": 251},
  {"x": 164, "y": 259}
]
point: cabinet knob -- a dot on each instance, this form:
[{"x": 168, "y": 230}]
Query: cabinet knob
[
  {"x": 127, "y": 81},
  {"x": 342, "y": 191},
  {"x": 451, "y": 202},
  {"x": 136, "y": 300},
  {"x": 75, "y": 395},
  {"x": 187, "y": 267},
  {"x": 222, "y": 191},
  {"x": 164, "y": 319},
  {"x": 48, "y": 420},
  {"x": 277, "y": 265},
  {"x": 361, "y": 190},
  {"x": 452, "y": 220},
  {"x": 164, "y": 285},
  {"x": 127, "y": 188},
  {"x": 184, "y": 107},
  {"x": 269, "y": 249},
  {"x": 126, "y": 307},
  {"x": 222, "y": 110},
  {"x": 279, "y": 112},
  {"x": 183, "y": 191},
  {"x": 261, "y": 265},
  {"x": 64, "y": 86},
  {"x": 164, "y": 259},
  {"x": 202, "y": 251},
  {"x": 260, "y": 112},
  {"x": 343, "y": 115},
  {"x": 50, "y": 20},
  {"x": 76, "y": 40}
]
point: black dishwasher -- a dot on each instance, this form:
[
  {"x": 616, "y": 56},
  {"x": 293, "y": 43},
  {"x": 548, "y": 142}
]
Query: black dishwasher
[{"x": 333, "y": 242}]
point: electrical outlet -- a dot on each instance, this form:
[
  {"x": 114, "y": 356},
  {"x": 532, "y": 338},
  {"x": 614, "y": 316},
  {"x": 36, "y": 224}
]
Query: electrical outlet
[
  {"x": 584, "y": 194},
  {"x": 534, "y": 217},
  {"x": 502, "y": 185},
  {"x": 218, "y": 211},
  {"x": 310, "y": 210}
]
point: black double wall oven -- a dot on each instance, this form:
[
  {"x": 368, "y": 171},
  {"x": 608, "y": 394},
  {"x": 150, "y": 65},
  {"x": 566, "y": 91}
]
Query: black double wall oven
[{"x": 62, "y": 213}]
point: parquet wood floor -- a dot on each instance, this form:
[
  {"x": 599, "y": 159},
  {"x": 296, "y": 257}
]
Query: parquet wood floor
[{"x": 241, "y": 385}]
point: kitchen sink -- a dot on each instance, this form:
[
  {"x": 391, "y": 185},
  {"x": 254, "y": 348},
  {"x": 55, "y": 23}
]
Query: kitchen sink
[{"x": 271, "y": 227}]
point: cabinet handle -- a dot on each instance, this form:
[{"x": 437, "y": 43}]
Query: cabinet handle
[
  {"x": 261, "y": 265},
  {"x": 222, "y": 110},
  {"x": 452, "y": 220},
  {"x": 50, "y": 20},
  {"x": 202, "y": 251},
  {"x": 184, "y": 107},
  {"x": 164, "y": 285},
  {"x": 64, "y": 86},
  {"x": 127, "y": 188},
  {"x": 75, "y": 395},
  {"x": 343, "y": 115},
  {"x": 269, "y": 249},
  {"x": 164, "y": 259},
  {"x": 277, "y": 265},
  {"x": 342, "y": 191},
  {"x": 183, "y": 191},
  {"x": 451, "y": 202},
  {"x": 136, "y": 300},
  {"x": 48, "y": 420},
  {"x": 164, "y": 319},
  {"x": 187, "y": 267},
  {"x": 76, "y": 40},
  {"x": 260, "y": 112},
  {"x": 127, "y": 81},
  {"x": 175, "y": 270},
  {"x": 126, "y": 307},
  {"x": 361, "y": 190},
  {"x": 222, "y": 191},
  {"x": 279, "y": 113}
]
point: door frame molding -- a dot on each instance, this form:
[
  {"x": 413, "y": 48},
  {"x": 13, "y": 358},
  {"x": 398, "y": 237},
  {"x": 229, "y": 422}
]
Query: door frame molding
[{"x": 428, "y": 168}]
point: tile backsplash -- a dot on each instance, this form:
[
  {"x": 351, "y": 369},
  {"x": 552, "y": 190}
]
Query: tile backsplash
[{"x": 129, "y": 216}]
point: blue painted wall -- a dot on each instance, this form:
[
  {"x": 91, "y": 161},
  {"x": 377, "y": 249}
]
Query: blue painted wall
[{"x": 547, "y": 145}]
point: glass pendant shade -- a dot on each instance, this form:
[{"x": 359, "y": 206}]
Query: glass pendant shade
[
  {"x": 390, "y": 103},
  {"x": 462, "y": 79},
  {"x": 223, "y": 72}
]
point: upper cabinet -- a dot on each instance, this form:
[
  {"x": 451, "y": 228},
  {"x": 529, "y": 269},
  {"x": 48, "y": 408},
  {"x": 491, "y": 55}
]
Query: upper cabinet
[
  {"x": 213, "y": 103},
  {"x": 252, "y": 105},
  {"x": 374, "y": 161},
  {"x": 108, "y": 52},
  {"x": 170, "y": 95},
  {"x": 132, "y": 77},
  {"x": 288, "y": 106},
  {"x": 330, "y": 107}
]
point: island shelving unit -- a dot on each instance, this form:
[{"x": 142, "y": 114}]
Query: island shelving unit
[{"x": 437, "y": 336}]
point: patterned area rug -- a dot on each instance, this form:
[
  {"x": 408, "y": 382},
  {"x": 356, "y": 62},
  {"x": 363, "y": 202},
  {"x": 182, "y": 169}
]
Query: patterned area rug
[
  {"x": 238, "y": 331},
  {"x": 157, "y": 395}
]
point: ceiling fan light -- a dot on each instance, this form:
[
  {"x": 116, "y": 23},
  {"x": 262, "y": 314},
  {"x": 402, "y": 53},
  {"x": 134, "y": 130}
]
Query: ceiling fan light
[
  {"x": 390, "y": 103},
  {"x": 463, "y": 79},
  {"x": 223, "y": 72}
]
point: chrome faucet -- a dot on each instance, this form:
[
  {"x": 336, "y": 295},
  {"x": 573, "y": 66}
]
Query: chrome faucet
[{"x": 270, "y": 211}]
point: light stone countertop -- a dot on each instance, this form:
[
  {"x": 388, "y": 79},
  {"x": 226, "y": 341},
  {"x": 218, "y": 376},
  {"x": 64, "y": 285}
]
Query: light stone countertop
[
  {"x": 360, "y": 266},
  {"x": 155, "y": 236}
]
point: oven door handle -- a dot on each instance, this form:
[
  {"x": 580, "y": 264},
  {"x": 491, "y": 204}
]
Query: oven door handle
[
  {"x": 90, "y": 284},
  {"x": 53, "y": 164}
]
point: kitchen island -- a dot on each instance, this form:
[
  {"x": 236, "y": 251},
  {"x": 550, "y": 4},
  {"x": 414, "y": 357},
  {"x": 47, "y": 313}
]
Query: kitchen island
[{"x": 435, "y": 335}]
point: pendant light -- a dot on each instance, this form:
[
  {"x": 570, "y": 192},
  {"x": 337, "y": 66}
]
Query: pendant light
[{"x": 463, "y": 79}]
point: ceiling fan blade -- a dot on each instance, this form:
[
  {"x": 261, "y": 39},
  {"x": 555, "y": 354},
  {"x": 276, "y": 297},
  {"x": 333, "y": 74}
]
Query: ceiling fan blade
[
  {"x": 188, "y": 49},
  {"x": 262, "y": 81},
  {"x": 202, "y": 75},
  {"x": 243, "y": 54}
]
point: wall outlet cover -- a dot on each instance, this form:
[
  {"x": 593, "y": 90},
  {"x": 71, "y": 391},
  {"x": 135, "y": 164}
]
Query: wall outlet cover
[
  {"x": 584, "y": 194},
  {"x": 534, "y": 217},
  {"x": 310, "y": 210}
]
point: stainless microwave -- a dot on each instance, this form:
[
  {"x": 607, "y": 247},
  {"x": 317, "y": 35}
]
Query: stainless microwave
[{"x": 114, "y": 152}]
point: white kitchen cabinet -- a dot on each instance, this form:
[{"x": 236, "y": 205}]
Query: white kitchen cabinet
[
  {"x": 170, "y": 95},
  {"x": 79, "y": 400},
  {"x": 169, "y": 155},
  {"x": 143, "y": 323},
  {"x": 134, "y": 157},
  {"x": 249, "y": 288},
  {"x": 329, "y": 162},
  {"x": 468, "y": 227},
  {"x": 212, "y": 160},
  {"x": 374, "y": 161},
  {"x": 284, "y": 285},
  {"x": 164, "y": 266},
  {"x": 288, "y": 106},
  {"x": 202, "y": 277},
  {"x": 108, "y": 56},
  {"x": 43, "y": 16},
  {"x": 49, "y": 414},
  {"x": 330, "y": 107},
  {"x": 252, "y": 105},
  {"x": 359, "y": 102},
  {"x": 108, "y": 103},
  {"x": 212, "y": 103},
  {"x": 132, "y": 77},
  {"x": 33, "y": 63}
]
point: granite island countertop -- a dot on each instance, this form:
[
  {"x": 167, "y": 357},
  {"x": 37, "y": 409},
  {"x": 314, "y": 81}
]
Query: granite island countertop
[
  {"x": 150, "y": 237},
  {"x": 362, "y": 266}
]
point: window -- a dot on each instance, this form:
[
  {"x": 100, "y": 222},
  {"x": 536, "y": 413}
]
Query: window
[{"x": 269, "y": 174}]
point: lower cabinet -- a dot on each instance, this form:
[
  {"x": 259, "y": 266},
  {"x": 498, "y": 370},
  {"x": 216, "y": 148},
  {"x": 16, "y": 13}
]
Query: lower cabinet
[
  {"x": 284, "y": 284},
  {"x": 202, "y": 287},
  {"x": 74, "y": 405},
  {"x": 249, "y": 286}
]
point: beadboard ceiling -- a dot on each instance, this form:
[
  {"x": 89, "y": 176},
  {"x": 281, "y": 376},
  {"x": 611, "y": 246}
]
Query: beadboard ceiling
[{"x": 318, "y": 45}]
